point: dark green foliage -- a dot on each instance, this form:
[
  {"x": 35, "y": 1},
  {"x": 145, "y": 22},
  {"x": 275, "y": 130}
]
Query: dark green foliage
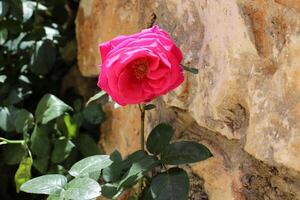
[
  {"x": 184, "y": 152},
  {"x": 159, "y": 138},
  {"x": 156, "y": 180},
  {"x": 40, "y": 131},
  {"x": 45, "y": 132},
  {"x": 170, "y": 185}
]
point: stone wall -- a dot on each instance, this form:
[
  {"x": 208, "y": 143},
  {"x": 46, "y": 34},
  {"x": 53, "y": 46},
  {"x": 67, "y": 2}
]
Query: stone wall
[{"x": 245, "y": 102}]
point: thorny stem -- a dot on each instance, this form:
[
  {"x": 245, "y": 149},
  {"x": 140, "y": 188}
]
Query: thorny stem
[
  {"x": 6, "y": 141},
  {"x": 142, "y": 136}
]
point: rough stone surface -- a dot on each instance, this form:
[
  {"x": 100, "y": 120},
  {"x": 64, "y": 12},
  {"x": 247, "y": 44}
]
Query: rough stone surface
[{"x": 245, "y": 101}]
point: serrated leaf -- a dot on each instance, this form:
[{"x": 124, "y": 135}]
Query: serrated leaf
[
  {"x": 49, "y": 108},
  {"x": 96, "y": 97},
  {"x": 62, "y": 150},
  {"x": 171, "y": 185},
  {"x": 24, "y": 121},
  {"x": 159, "y": 138},
  {"x": 23, "y": 173},
  {"x": 184, "y": 152},
  {"x": 82, "y": 188},
  {"x": 47, "y": 184},
  {"x": 89, "y": 165}
]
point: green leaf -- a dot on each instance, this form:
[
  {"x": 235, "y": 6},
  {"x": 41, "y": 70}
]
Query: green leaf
[
  {"x": 24, "y": 121},
  {"x": 146, "y": 194},
  {"x": 55, "y": 197},
  {"x": 82, "y": 188},
  {"x": 119, "y": 168},
  {"x": 35, "y": 34},
  {"x": 44, "y": 58},
  {"x": 149, "y": 106},
  {"x": 7, "y": 117},
  {"x": 51, "y": 33},
  {"x": 96, "y": 97},
  {"x": 3, "y": 35},
  {"x": 190, "y": 69},
  {"x": 13, "y": 154},
  {"x": 47, "y": 184},
  {"x": 89, "y": 165},
  {"x": 171, "y": 185},
  {"x": 116, "y": 156},
  {"x": 93, "y": 113},
  {"x": 87, "y": 146},
  {"x": 114, "y": 172},
  {"x": 109, "y": 190},
  {"x": 67, "y": 125},
  {"x": 49, "y": 108},
  {"x": 62, "y": 150},
  {"x": 29, "y": 7},
  {"x": 40, "y": 143},
  {"x": 71, "y": 126},
  {"x": 16, "y": 95},
  {"x": 184, "y": 152},
  {"x": 159, "y": 138},
  {"x": 137, "y": 170},
  {"x": 16, "y": 9},
  {"x": 3, "y": 78},
  {"x": 4, "y": 6},
  {"x": 41, "y": 164},
  {"x": 23, "y": 173}
]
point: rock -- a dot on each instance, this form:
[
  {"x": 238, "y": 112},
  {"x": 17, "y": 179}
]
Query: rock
[
  {"x": 118, "y": 135},
  {"x": 245, "y": 101},
  {"x": 101, "y": 20}
]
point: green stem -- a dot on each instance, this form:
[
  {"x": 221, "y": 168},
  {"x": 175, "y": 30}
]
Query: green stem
[
  {"x": 6, "y": 141},
  {"x": 142, "y": 141},
  {"x": 142, "y": 136}
]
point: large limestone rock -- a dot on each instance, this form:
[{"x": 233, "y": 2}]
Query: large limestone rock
[{"x": 245, "y": 101}]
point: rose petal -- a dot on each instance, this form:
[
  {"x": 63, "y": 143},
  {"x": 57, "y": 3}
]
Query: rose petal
[{"x": 129, "y": 86}]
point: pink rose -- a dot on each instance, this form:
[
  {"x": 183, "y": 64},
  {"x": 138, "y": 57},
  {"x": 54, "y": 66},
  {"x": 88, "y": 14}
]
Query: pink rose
[{"x": 139, "y": 67}]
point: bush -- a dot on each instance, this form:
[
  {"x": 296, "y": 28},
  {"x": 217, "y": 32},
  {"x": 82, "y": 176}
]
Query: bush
[{"x": 41, "y": 131}]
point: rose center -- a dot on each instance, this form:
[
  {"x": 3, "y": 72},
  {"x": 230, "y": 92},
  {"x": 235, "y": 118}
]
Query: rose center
[{"x": 140, "y": 68}]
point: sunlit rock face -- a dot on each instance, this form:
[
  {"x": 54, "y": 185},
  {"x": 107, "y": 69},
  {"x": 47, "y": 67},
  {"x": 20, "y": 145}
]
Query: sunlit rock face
[{"x": 245, "y": 102}]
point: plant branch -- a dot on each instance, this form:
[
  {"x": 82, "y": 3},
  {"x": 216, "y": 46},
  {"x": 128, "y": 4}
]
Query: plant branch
[
  {"x": 6, "y": 141},
  {"x": 142, "y": 132}
]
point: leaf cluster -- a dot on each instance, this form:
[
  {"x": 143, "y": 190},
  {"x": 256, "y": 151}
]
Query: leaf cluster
[{"x": 155, "y": 173}]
